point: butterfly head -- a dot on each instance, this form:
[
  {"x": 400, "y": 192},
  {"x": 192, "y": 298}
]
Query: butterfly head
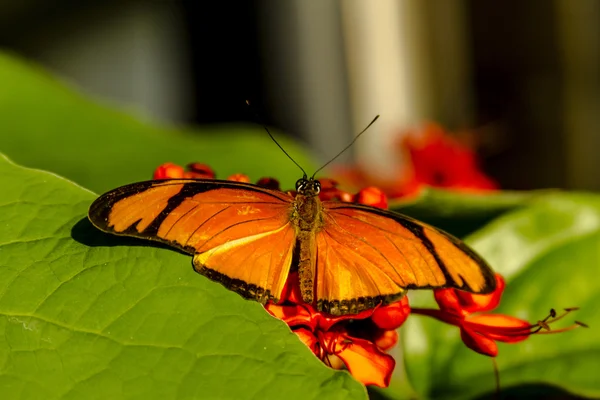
[{"x": 308, "y": 186}]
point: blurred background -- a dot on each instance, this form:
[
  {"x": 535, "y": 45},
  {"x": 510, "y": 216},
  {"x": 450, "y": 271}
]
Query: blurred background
[{"x": 523, "y": 77}]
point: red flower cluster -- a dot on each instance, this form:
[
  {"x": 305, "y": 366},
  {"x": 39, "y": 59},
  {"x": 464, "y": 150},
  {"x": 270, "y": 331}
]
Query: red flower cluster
[
  {"x": 436, "y": 159},
  {"x": 441, "y": 160},
  {"x": 359, "y": 342},
  {"x": 192, "y": 171},
  {"x": 480, "y": 330}
]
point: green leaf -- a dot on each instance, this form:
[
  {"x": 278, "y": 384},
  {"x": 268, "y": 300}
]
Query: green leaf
[
  {"x": 461, "y": 213},
  {"x": 87, "y": 315},
  {"x": 548, "y": 253},
  {"x": 49, "y": 126}
]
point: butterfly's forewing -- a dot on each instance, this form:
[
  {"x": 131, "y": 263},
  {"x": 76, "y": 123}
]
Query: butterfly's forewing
[
  {"x": 378, "y": 254},
  {"x": 239, "y": 234}
]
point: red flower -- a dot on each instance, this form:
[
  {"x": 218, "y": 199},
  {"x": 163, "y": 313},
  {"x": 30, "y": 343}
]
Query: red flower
[
  {"x": 238, "y": 178},
  {"x": 199, "y": 171},
  {"x": 174, "y": 171},
  {"x": 168, "y": 171},
  {"x": 441, "y": 160},
  {"x": 436, "y": 159},
  {"x": 371, "y": 196},
  {"x": 330, "y": 191},
  {"x": 269, "y": 183},
  {"x": 357, "y": 342},
  {"x": 479, "y": 330}
]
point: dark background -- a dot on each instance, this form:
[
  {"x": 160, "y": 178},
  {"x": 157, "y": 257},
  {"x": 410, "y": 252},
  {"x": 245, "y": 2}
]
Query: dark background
[{"x": 533, "y": 71}]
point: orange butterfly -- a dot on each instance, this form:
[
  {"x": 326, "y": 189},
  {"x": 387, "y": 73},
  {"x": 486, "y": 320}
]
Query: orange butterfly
[{"x": 349, "y": 257}]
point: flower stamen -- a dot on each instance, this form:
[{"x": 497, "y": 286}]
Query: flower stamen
[{"x": 544, "y": 325}]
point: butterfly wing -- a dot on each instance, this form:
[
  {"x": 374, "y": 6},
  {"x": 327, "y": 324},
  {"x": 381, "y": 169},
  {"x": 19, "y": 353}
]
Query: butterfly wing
[
  {"x": 367, "y": 256},
  {"x": 240, "y": 234}
]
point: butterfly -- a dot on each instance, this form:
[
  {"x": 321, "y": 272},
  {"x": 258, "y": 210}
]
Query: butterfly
[{"x": 349, "y": 257}]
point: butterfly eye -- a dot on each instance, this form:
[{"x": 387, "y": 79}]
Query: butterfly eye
[
  {"x": 300, "y": 184},
  {"x": 317, "y": 187}
]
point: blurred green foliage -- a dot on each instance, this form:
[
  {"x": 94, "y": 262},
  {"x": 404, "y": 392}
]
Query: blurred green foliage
[
  {"x": 548, "y": 253},
  {"x": 461, "y": 213},
  {"x": 44, "y": 124}
]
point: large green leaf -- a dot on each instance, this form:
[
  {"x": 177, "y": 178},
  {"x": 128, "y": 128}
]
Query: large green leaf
[
  {"x": 86, "y": 315},
  {"x": 45, "y": 124},
  {"x": 549, "y": 254}
]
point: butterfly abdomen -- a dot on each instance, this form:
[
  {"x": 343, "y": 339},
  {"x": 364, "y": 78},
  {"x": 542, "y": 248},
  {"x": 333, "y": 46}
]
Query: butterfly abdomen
[{"x": 307, "y": 219}]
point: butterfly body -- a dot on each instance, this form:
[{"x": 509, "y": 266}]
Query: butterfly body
[
  {"x": 308, "y": 219},
  {"x": 349, "y": 257}
]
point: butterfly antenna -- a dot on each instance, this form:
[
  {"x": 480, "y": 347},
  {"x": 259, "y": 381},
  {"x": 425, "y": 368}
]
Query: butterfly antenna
[
  {"x": 347, "y": 147},
  {"x": 273, "y": 139}
]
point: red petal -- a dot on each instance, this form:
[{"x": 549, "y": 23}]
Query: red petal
[
  {"x": 367, "y": 363},
  {"x": 195, "y": 175},
  {"x": 328, "y": 183},
  {"x": 499, "y": 327},
  {"x": 393, "y": 315},
  {"x": 329, "y": 194},
  {"x": 326, "y": 321},
  {"x": 409, "y": 188},
  {"x": 335, "y": 194},
  {"x": 269, "y": 183},
  {"x": 372, "y": 196},
  {"x": 239, "y": 178},
  {"x": 292, "y": 315},
  {"x": 309, "y": 340},
  {"x": 200, "y": 171},
  {"x": 479, "y": 343},
  {"x": 448, "y": 301},
  {"x": 345, "y": 197},
  {"x": 291, "y": 290},
  {"x": 482, "y": 302},
  {"x": 329, "y": 191},
  {"x": 386, "y": 340},
  {"x": 168, "y": 171},
  {"x": 476, "y": 182},
  {"x": 439, "y": 159},
  {"x": 464, "y": 303}
]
